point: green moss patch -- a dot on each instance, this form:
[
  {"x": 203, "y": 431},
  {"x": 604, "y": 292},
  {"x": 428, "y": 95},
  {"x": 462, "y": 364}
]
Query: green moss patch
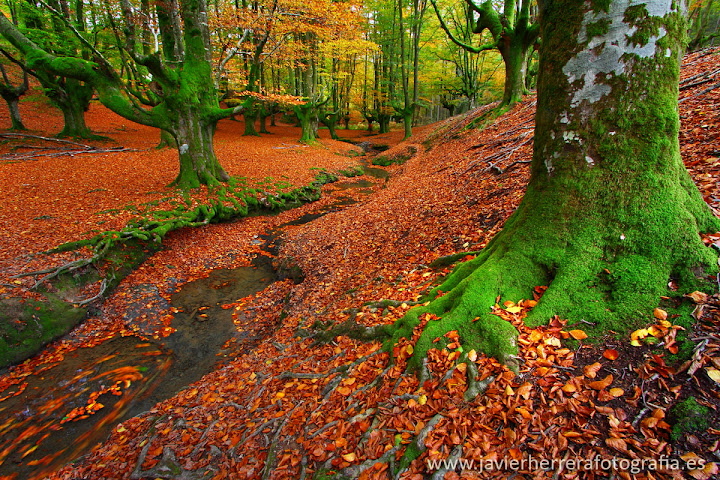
[
  {"x": 27, "y": 326},
  {"x": 688, "y": 417}
]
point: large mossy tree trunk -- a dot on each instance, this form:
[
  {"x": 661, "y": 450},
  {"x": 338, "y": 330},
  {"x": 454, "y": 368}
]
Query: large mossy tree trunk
[
  {"x": 72, "y": 97},
  {"x": 308, "y": 117},
  {"x": 610, "y": 214},
  {"x": 198, "y": 163}
]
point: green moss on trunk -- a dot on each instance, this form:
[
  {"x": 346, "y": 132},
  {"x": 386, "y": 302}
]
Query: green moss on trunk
[
  {"x": 515, "y": 59},
  {"x": 250, "y": 117},
  {"x": 308, "y": 116},
  {"x": 610, "y": 214}
]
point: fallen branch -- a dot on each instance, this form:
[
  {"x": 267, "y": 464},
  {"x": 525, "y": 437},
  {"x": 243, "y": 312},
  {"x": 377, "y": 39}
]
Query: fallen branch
[
  {"x": 707, "y": 90},
  {"x": 272, "y": 450},
  {"x": 67, "y": 153},
  {"x": 501, "y": 156},
  {"x": 47, "y": 139},
  {"x": 500, "y": 171}
]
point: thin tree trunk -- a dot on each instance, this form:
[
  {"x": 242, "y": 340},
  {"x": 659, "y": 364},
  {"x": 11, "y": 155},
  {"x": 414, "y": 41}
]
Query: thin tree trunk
[{"x": 13, "y": 104}]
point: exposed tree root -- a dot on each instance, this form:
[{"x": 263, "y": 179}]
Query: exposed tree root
[
  {"x": 597, "y": 269},
  {"x": 75, "y": 147},
  {"x": 454, "y": 456},
  {"x": 272, "y": 450},
  {"x": 223, "y": 203}
]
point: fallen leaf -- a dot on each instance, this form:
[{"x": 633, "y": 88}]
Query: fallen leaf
[
  {"x": 697, "y": 297},
  {"x": 578, "y": 334},
  {"x": 611, "y": 354},
  {"x": 601, "y": 384},
  {"x": 590, "y": 371},
  {"x": 713, "y": 373},
  {"x": 705, "y": 473},
  {"x": 616, "y": 443}
]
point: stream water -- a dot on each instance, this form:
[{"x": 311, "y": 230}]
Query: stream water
[{"x": 61, "y": 412}]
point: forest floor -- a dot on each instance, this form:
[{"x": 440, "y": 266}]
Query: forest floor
[{"x": 283, "y": 404}]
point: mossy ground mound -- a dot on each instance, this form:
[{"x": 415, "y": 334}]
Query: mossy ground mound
[{"x": 27, "y": 326}]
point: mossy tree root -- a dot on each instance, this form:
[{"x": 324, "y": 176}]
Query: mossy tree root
[
  {"x": 224, "y": 203},
  {"x": 603, "y": 264}
]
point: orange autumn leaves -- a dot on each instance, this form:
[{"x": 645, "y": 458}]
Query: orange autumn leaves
[{"x": 555, "y": 407}]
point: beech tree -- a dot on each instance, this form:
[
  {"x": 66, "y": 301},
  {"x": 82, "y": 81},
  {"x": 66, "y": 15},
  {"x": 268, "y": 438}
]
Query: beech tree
[
  {"x": 409, "y": 56},
  {"x": 513, "y": 35},
  {"x": 53, "y": 33},
  {"x": 700, "y": 31},
  {"x": 610, "y": 214},
  {"x": 180, "y": 96}
]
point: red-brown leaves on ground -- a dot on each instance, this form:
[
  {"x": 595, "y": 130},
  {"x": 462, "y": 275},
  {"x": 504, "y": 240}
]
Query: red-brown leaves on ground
[{"x": 291, "y": 407}]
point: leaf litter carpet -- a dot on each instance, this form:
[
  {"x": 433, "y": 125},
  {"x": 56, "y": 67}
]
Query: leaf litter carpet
[{"x": 292, "y": 407}]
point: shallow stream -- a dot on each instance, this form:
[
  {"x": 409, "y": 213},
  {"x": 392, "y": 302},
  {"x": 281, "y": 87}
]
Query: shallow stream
[{"x": 63, "y": 411}]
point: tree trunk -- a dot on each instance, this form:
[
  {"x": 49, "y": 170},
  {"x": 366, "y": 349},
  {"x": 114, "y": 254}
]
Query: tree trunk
[
  {"x": 308, "y": 117},
  {"x": 610, "y": 214},
  {"x": 13, "y": 103},
  {"x": 250, "y": 116},
  {"x": 383, "y": 120},
  {"x": 330, "y": 121},
  {"x": 514, "y": 55},
  {"x": 73, "y": 99},
  {"x": 74, "y": 118},
  {"x": 331, "y": 128},
  {"x": 198, "y": 163},
  {"x": 263, "y": 114},
  {"x": 370, "y": 121},
  {"x": 407, "y": 116}
]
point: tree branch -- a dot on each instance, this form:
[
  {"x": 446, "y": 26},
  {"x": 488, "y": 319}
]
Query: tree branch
[
  {"x": 469, "y": 48},
  {"x": 82, "y": 39}
]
